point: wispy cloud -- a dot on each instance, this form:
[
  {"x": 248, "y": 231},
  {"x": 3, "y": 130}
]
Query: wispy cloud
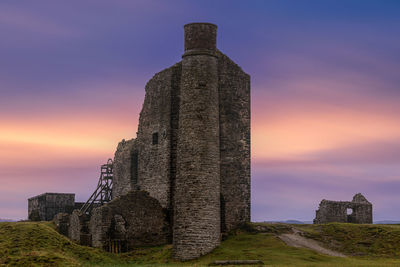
[{"x": 35, "y": 23}]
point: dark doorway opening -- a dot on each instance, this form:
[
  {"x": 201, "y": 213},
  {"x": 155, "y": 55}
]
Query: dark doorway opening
[{"x": 350, "y": 215}]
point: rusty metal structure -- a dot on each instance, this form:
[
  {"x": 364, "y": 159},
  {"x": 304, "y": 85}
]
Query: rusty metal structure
[
  {"x": 116, "y": 246},
  {"x": 103, "y": 192}
]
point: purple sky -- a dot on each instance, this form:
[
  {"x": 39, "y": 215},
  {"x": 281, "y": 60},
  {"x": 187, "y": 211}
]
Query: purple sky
[{"x": 325, "y": 93}]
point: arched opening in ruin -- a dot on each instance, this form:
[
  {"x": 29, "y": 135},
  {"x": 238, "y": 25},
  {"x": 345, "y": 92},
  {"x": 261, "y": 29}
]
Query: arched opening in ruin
[
  {"x": 349, "y": 211},
  {"x": 350, "y": 215}
]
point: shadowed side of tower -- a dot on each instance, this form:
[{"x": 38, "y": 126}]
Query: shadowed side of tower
[{"x": 196, "y": 226}]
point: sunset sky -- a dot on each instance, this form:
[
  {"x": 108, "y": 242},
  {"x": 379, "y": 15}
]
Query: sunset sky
[{"x": 325, "y": 81}]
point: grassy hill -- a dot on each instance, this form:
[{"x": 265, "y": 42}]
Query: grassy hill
[{"x": 38, "y": 244}]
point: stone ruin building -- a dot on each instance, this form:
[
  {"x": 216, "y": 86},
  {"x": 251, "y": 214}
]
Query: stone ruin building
[
  {"x": 185, "y": 178},
  {"x": 45, "y": 206},
  {"x": 359, "y": 210}
]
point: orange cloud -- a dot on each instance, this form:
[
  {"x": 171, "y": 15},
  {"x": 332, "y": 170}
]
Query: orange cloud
[
  {"x": 296, "y": 132},
  {"x": 52, "y": 140}
]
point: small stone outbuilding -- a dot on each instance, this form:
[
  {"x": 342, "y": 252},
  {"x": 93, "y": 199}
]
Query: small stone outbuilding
[
  {"x": 131, "y": 220},
  {"x": 359, "y": 210},
  {"x": 45, "y": 206}
]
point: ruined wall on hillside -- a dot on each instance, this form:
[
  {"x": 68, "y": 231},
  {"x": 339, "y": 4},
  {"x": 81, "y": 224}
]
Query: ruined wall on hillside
[
  {"x": 79, "y": 228},
  {"x": 155, "y": 134},
  {"x": 124, "y": 168},
  {"x": 134, "y": 219},
  {"x": 359, "y": 210},
  {"x": 45, "y": 206}
]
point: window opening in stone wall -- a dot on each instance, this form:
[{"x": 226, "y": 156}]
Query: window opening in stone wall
[
  {"x": 349, "y": 211},
  {"x": 155, "y": 138}
]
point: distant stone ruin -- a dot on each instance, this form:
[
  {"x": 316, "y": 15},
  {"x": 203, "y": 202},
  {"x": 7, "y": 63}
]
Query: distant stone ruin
[
  {"x": 185, "y": 178},
  {"x": 45, "y": 206},
  {"x": 359, "y": 210}
]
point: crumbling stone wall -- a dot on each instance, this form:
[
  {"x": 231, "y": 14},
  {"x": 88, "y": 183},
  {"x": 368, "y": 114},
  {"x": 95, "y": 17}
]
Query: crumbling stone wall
[
  {"x": 45, "y": 206},
  {"x": 136, "y": 219},
  {"x": 79, "y": 228},
  {"x": 154, "y": 137},
  {"x": 124, "y": 168},
  {"x": 154, "y": 145},
  {"x": 61, "y": 220},
  {"x": 337, "y": 211}
]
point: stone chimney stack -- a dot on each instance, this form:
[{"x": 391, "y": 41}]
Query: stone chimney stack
[
  {"x": 200, "y": 37},
  {"x": 196, "y": 197}
]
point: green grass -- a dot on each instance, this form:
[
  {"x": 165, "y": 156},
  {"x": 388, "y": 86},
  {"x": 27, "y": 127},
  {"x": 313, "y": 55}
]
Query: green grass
[
  {"x": 358, "y": 240},
  {"x": 38, "y": 244}
]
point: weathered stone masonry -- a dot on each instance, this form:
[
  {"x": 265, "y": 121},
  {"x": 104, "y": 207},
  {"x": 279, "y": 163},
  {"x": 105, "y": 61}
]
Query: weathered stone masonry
[
  {"x": 135, "y": 219},
  {"x": 359, "y": 210},
  {"x": 185, "y": 178},
  {"x": 197, "y": 184},
  {"x": 193, "y": 145},
  {"x": 124, "y": 161},
  {"x": 45, "y": 206}
]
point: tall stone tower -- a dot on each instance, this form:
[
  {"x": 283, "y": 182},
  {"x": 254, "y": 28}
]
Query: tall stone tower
[
  {"x": 192, "y": 149},
  {"x": 196, "y": 225}
]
